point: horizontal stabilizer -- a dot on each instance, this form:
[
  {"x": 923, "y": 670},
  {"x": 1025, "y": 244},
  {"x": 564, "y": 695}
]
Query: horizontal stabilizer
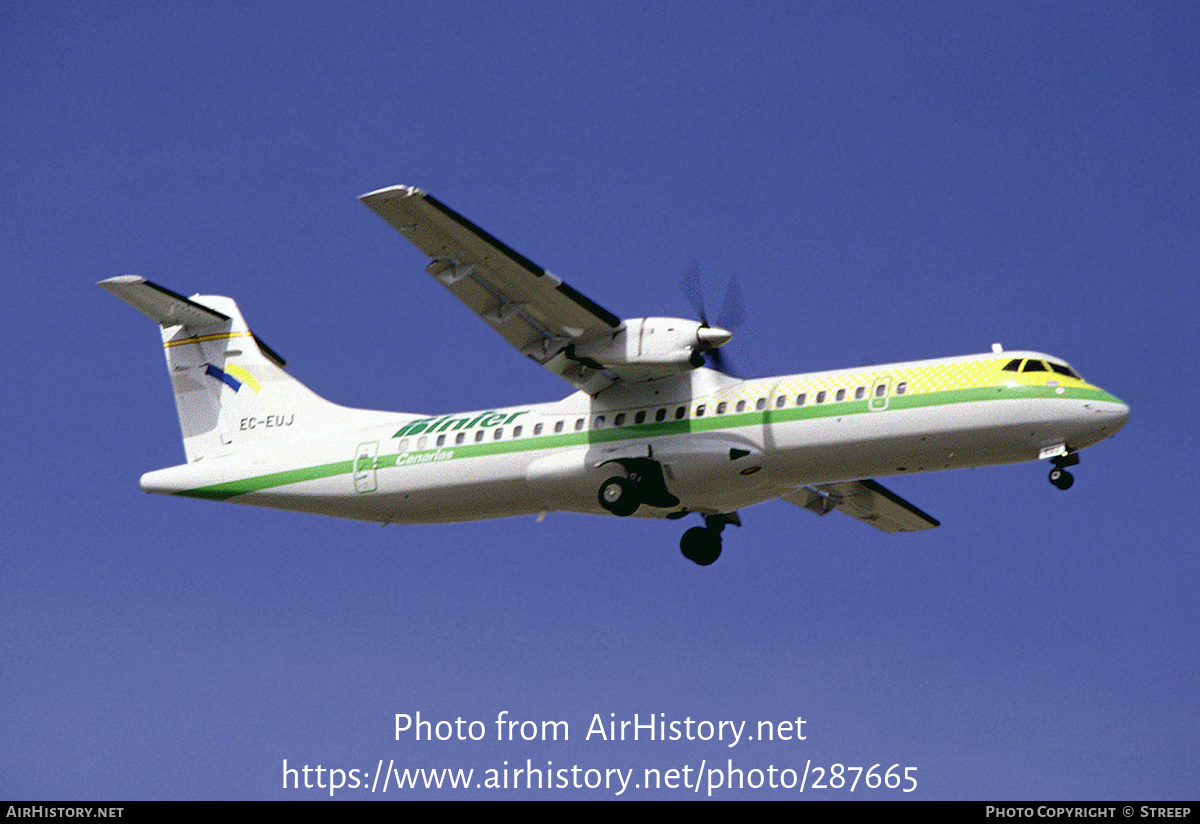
[
  {"x": 868, "y": 501},
  {"x": 172, "y": 309},
  {"x": 163, "y": 305}
]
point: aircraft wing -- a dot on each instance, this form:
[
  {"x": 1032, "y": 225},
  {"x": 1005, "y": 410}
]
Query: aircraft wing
[
  {"x": 866, "y": 500},
  {"x": 531, "y": 308}
]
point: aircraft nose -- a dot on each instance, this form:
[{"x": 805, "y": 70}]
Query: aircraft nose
[
  {"x": 1120, "y": 414},
  {"x": 713, "y": 336},
  {"x": 1113, "y": 413}
]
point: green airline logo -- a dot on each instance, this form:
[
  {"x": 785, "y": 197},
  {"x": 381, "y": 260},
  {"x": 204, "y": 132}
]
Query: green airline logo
[{"x": 447, "y": 422}]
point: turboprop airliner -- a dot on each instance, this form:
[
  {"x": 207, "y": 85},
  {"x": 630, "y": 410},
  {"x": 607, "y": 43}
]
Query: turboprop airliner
[{"x": 650, "y": 431}]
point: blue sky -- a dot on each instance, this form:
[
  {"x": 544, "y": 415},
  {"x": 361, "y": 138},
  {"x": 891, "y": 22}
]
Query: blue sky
[{"x": 889, "y": 182}]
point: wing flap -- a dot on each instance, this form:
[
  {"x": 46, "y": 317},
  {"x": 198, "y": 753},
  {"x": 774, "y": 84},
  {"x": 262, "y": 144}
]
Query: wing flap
[
  {"x": 866, "y": 500},
  {"x": 529, "y": 307}
]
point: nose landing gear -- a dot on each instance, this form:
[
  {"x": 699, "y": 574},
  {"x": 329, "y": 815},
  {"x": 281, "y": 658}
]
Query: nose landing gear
[
  {"x": 1059, "y": 476},
  {"x": 702, "y": 544}
]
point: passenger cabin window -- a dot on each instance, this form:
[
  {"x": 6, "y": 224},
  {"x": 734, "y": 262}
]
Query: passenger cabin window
[
  {"x": 441, "y": 441},
  {"x": 841, "y": 395},
  {"x": 760, "y": 404},
  {"x": 599, "y": 421},
  {"x": 421, "y": 441},
  {"x": 700, "y": 411},
  {"x": 821, "y": 396},
  {"x": 741, "y": 406},
  {"x": 880, "y": 390},
  {"x": 801, "y": 398},
  {"x": 619, "y": 420},
  {"x": 721, "y": 407},
  {"x": 499, "y": 433},
  {"x": 479, "y": 436},
  {"x": 578, "y": 424},
  {"x": 558, "y": 426},
  {"x": 660, "y": 415},
  {"x": 460, "y": 437},
  {"x": 403, "y": 444},
  {"x": 780, "y": 401},
  {"x": 901, "y": 387},
  {"x": 537, "y": 429},
  {"x": 517, "y": 431},
  {"x": 639, "y": 417},
  {"x": 860, "y": 393},
  {"x": 1032, "y": 365},
  {"x": 680, "y": 411}
]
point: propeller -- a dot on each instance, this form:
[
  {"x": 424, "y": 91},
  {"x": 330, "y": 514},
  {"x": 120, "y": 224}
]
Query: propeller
[{"x": 713, "y": 336}]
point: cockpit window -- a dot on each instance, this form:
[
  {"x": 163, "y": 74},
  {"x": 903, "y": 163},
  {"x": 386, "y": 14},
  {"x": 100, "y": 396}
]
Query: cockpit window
[
  {"x": 1032, "y": 365},
  {"x": 1063, "y": 369},
  {"x": 1013, "y": 365}
]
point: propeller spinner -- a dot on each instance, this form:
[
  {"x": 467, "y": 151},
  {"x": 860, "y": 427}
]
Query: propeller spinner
[{"x": 710, "y": 337}]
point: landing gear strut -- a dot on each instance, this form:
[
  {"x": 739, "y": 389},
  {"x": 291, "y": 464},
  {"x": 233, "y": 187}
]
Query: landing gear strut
[
  {"x": 702, "y": 544},
  {"x": 1059, "y": 476}
]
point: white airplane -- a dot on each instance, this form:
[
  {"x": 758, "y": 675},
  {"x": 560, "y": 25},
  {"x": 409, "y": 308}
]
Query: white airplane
[{"x": 651, "y": 431}]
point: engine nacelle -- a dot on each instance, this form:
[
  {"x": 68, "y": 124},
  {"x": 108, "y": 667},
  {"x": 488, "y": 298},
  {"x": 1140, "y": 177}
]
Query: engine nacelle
[{"x": 654, "y": 342}]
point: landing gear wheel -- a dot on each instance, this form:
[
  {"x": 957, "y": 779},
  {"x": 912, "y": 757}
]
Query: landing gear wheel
[
  {"x": 619, "y": 497},
  {"x": 700, "y": 545},
  {"x": 1061, "y": 478}
]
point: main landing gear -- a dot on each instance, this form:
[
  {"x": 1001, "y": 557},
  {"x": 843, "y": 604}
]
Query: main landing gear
[
  {"x": 643, "y": 484},
  {"x": 1059, "y": 476},
  {"x": 619, "y": 497},
  {"x": 702, "y": 544}
]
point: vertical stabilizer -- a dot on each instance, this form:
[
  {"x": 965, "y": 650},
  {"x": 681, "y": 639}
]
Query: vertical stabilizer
[{"x": 230, "y": 389}]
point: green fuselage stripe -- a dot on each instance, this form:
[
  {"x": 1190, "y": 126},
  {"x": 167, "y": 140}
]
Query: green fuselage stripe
[
  {"x": 224, "y": 491},
  {"x": 766, "y": 417}
]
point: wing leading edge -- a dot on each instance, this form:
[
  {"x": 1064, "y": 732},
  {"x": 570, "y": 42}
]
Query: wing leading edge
[{"x": 529, "y": 307}]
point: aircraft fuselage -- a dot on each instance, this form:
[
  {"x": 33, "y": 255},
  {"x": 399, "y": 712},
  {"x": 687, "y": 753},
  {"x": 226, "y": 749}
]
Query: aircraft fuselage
[
  {"x": 723, "y": 444},
  {"x": 650, "y": 432}
]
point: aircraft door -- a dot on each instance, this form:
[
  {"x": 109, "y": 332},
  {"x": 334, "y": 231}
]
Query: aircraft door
[
  {"x": 880, "y": 392},
  {"x": 364, "y": 467}
]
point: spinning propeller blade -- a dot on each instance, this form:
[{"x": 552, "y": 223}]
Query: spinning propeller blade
[{"x": 733, "y": 314}]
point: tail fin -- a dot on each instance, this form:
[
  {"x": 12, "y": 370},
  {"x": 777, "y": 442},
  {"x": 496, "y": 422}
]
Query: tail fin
[{"x": 230, "y": 388}]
